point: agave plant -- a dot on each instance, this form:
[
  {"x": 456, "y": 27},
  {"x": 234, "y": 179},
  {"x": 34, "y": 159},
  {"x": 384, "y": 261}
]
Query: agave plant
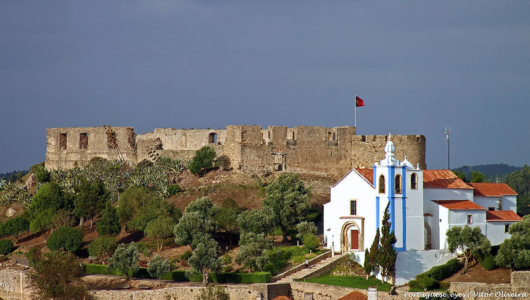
[
  {"x": 16, "y": 192},
  {"x": 173, "y": 167}
]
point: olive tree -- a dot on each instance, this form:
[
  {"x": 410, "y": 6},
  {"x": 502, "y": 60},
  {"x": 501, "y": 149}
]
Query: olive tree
[
  {"x": 514, "y": 252},
  {"x": 125, "y": 259},
  {"x": 158, "y": 267},
  {"x": 288, "y": 199},
  {"x": 204, "y": 259},
  {"x": 469, "y": 241},
  {"x": 159, "y": 229},
  {"x": 196, "y": 222}
]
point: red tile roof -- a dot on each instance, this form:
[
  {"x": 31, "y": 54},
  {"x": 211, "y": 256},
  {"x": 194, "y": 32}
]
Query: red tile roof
[
  {"x": 368, "y": 174},
  {"x": 459, "y": 204},
  {"x": 442, "y": 179},
  {"x": 355, "y": 295},
  {"x": 502, "y": 216},
  {"x": 492, "y": 189}
]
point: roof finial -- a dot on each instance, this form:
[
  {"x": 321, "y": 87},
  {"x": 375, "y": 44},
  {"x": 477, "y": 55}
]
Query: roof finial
[{"x": 389, "y": 136}]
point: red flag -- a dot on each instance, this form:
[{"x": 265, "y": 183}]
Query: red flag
[{"x": 358, "y": 102}]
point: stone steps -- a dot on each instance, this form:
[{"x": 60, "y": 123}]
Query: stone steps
[{"x": 305, "y": 273}]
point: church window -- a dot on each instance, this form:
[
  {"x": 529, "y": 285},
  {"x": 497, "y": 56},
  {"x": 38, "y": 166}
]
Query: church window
[
  {"x": 469, "y": 219},
  {"x": 414, "y": 181},
  {"x": 381, "y": 184},
  {"x": 353, "y": 207},
  {"x": 397, "y": 184},
  {"x": 506, "y": 228}
]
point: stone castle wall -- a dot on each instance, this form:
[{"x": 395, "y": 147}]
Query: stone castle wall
[{"x": 250, "y": 149}]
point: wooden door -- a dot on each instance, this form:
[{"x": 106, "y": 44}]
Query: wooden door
[{"x": 355, "y": 239}]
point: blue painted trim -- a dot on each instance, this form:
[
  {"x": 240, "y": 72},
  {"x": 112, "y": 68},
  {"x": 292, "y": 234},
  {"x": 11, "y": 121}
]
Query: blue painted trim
[
  {"x": 404, "y": 208},
  {"x": 374, "y": 178},
  {"x": 376, "y": 212},
  {"x": 391, "y": 197},
  {"x": 401, "y": 249}
]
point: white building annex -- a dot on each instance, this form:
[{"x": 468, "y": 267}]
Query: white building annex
[{"x": 423, "y": 205}]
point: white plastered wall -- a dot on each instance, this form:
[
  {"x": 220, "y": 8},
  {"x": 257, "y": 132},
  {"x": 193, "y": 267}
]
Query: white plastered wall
[{"x": 352, "y": 187}]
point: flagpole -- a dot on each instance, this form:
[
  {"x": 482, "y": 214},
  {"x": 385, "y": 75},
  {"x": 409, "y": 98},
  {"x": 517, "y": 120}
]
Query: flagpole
[{"x": 355, "y": 104}]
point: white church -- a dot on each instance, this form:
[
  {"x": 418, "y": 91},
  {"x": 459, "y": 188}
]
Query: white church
[{"x": 424, "y": 204}]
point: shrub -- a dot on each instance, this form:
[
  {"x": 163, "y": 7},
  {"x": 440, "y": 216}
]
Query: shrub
[
  {"x": 425, "y": 283},
  {"x": 110, "y": 222},
  {"x": 248, "y": 278},
  {"x": 230, "y": 203},
  {"x": 444, "y": 271},
  {"x": 311, "y": 242},
  {"x": 203, "y": 159},
  {"x": 488, "y": 262},
  {"x": 16, "y": 227},
  {"x": 186, "y": 255},
  {"x": 57, "y": 276},
  {"x": 69, "y": 239},
  {"x": 146, "y": 251},
  {"x": 6, "y": 247},
  {"x": 102, "y": 247},
  {"x": 34, "y": 255},
  {"x": 174, "y": 189},
  {"x": 227, "y": 259},
  {"x": 213, "y": 292}
]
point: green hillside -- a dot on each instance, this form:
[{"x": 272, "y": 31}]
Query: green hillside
[{"x": 491, "y": 171}]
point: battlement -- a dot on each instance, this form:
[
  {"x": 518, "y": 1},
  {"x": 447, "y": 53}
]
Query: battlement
[{"x": 249, "y": 148}]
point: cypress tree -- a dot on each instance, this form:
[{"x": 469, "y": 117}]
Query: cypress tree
[
  {"x": 371, "y": 257},
  {"x": 388, "y": 253}
]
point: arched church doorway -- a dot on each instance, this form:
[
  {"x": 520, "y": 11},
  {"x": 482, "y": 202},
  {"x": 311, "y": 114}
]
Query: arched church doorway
[{"x": 352, "y": 237}]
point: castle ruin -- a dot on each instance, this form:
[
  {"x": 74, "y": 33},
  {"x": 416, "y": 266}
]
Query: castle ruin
[{"x": 247, "y": 148}]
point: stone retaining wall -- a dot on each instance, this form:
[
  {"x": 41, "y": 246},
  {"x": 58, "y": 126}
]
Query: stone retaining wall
[
  {"x": 324, "y": 270},
  {"x": 301, "y": 266}
]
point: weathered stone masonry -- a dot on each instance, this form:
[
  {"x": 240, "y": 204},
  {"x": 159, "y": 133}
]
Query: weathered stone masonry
[{"x": 251, "y": 148}]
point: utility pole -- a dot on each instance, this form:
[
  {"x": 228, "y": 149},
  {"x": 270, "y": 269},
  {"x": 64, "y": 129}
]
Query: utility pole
[{"x": 447, "y": 129}]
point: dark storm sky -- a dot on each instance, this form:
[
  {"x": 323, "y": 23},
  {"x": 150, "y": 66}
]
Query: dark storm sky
[{"x": 419, "y": 65}]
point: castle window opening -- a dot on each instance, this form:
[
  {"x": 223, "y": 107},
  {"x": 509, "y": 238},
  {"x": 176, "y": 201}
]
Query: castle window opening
[
  {"x": 83, "y": 140},
  {"x": 212, "y": 138},
  {"x": 414, "y": 181},
  {"x": 363, "y": 138},
  {"x": 331, "y": 153},
  {"x": 293, "y": 135},
  {"x": 330, "y": 136},
  {"x": 269, "y": 135},
  {"x": 63, "y": 141},
  {"x": 381, "y": 184},
  {"x": 397, "y": 185}
]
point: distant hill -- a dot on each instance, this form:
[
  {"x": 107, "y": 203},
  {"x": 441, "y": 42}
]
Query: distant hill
[
  {"x": 491, "y": 171},
  {"x": 13, "y": 176}
]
